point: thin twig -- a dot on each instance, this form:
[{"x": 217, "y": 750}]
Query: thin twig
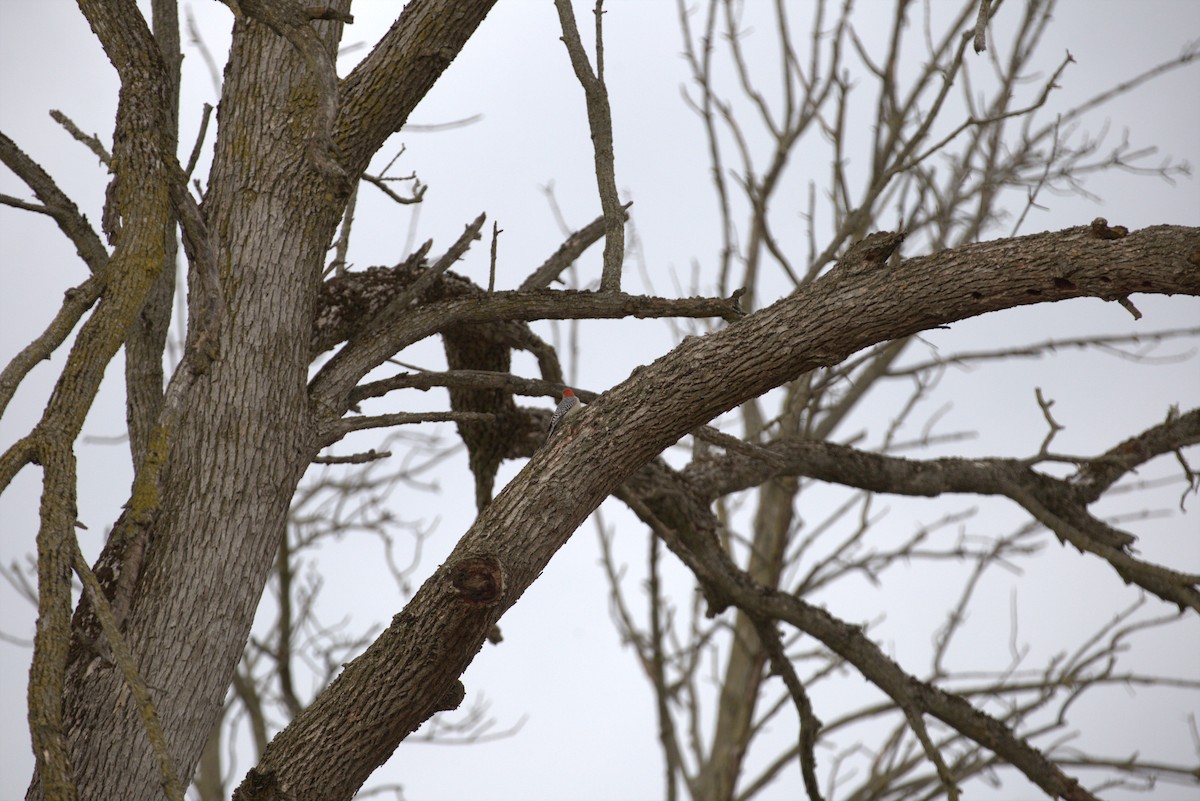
[
  {"x": 76, "y": 301},
  {"x": 349, "y": 424},
  {"x": 448, "y": 259},
  {"x": 380, "y": 183},
  {"x": 354, "y": 458},
  {"x": 205, "y": 116},
  {"x": 492, "y": 265},
  {"x": 341, "y": 248},
  {"x": 57, "y": 204},
  {"x": 810, "y": 724},
  {"x": 92, "y": 142}
]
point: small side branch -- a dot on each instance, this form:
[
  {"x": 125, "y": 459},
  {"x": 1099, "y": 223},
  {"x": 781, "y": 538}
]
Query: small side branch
[
  {"x": 463, "y": 379},
  {"x": 1179, "y": 430},
  {"x": 90, "y": 141},
  {"x": 496, "y": 231},
  {"x": 365, "y": 457},
  {"x": 415, "y": 290},
  {"x": 194, "y": 158},
  {"x": 331, "y": 387},
  {"x": 981, "y": 23},
  {"x": 75, "y": 303},
  {"x": 380, "y": 183},
  {"x": 1058, "y": 504},
  {"x": 209, "y": 303},
  {"x": 70, "y": 220},
  {"x": 696, "y": 543},
  {"x": 333, "y": 433},
  {"x": 570, "y": 250},
  {"x": 917, "y": 724}
]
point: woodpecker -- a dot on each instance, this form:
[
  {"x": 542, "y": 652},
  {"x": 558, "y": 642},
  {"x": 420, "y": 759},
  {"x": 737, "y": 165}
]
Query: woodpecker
[{"x": 568, "y": 405}]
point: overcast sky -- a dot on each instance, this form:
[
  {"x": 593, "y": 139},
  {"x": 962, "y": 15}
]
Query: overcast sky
[{"x": 590, "y": 732}]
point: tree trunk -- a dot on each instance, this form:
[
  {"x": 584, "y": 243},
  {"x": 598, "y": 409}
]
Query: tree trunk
[
  {"x": 240, "y": 447},
  {"x": 209, "y": 525}
]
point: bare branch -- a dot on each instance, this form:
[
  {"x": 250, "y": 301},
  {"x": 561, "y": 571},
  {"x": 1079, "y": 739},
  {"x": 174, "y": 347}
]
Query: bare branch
[
  {"x": 492, "y": 263},
  {"x": 381, "y": 91},
  {"x": 380, "y": 183},
  {"x": 193, "y": 159},
  {"x": 694, "y": 542},
  {"x": 399, "y": 303},
  {"x": 981, "y": 24},
  {"x": 600, "y": 123},
  {"x": 56, "y": 204},
  {"x": 1107, "y": 344},
  {"x": 75, "y": 303},
  {"x": 810, "y": 725},
  {"x": 336, "y": 378},
  {"x": 341, "y": 247},
  {"x": 91, "y": 141},
  {"x": 1059, "y": 504},
  {"x": 335, "y": 432},
  {"x": 568, "y": 252},
  {"x": 356, "y": 458},
  {"x": 465, "y": 379}
]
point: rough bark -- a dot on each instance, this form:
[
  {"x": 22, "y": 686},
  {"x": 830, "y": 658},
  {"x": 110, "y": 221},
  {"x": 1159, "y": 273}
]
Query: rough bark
[
  {"x": 205, "y": 537},
  {"x": 412, "y": 669},
  {"x": 203, "y": 525},
  {"x": 235, "y": 455},
  {"x": 148, "y": 335},
  {"x": 140, "y": 188}
]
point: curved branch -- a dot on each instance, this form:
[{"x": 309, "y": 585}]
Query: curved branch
[
  {"x": 333, "y": 433},
  {"x": 140, "y": 190},
  {"x": 570, "y": 250},
  {"x": 810, "y": 725},
  {"x": 463, "y": 379},
  {"x": 133, "y": 679},
  {"x": 1098, "y": 474},
  {"x": 398, "y": 682},
  {"x": 746, "y": 465}
]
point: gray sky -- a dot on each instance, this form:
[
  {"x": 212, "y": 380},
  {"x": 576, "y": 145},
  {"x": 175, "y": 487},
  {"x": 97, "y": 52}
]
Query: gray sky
[{"x": 590, "y": 731}]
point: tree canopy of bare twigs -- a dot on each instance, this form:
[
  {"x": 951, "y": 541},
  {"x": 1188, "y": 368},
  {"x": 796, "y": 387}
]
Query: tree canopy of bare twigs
[{"x": 872, "y": 185}]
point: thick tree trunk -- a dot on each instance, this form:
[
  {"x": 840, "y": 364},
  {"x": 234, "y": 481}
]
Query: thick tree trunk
[
  {"x": 240, "y": 447},
  {"x": 197, "y": 540}
]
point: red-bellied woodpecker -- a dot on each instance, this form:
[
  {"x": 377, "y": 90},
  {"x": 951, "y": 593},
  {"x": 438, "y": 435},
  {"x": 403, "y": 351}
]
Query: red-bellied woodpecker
[{"x": 566, "y": 406}]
